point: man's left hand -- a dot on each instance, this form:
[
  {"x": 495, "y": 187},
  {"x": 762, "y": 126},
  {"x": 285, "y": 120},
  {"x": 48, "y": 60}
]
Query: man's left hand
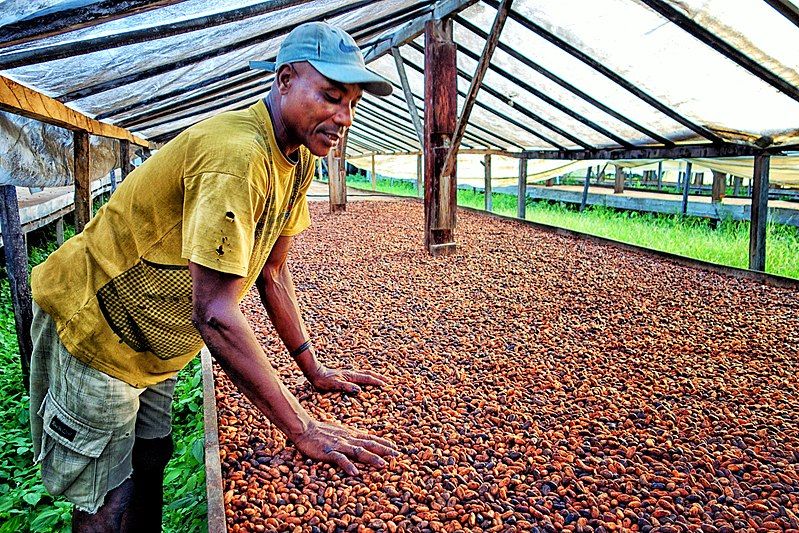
[{"x": 349, "y": 381}]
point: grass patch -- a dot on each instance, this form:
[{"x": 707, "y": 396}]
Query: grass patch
[
  {"x": 725, "y": 242},
  {"x": 24, "y": 503}
]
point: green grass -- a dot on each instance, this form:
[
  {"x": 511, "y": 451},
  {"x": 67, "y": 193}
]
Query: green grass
[
  {"x": 726, "y": 244},
  {"x": 24, "y": 503}
]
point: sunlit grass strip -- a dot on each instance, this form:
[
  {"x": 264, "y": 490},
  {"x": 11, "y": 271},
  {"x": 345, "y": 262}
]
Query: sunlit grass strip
[{"x": 726, "y": 244}]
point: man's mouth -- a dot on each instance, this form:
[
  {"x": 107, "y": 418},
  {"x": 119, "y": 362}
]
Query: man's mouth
[{"x": 332, "y": 137}]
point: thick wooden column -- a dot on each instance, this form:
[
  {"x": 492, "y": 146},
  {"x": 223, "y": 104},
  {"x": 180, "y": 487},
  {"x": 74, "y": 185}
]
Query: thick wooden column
[
  {"x": 16, "y": 255},
  {"x": 83, "y": 186},
  {"x": 441, "y": 105},
  {"x": 124, "y": 158},
  {"x": 586, "y": 184},
  {"x": 374, "y": 174},
  {"x": 337, "y": 173},
  {"x": 719, "y": 186},
  {"x": 759, "y": 217},
  {"x": 489, "y": 199},
  {"x": 521, "y": 194},
  {"x": 686, "y": 187},
  {"x": 618, "y": 183}
]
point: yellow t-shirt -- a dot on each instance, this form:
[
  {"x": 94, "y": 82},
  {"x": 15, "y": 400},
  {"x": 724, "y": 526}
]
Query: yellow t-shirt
[{"x": 219, "y": 195}]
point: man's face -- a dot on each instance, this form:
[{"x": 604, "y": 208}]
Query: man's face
[{"x": 316, "y": 110}]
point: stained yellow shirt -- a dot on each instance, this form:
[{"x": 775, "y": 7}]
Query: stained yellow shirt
[{"x": 219, "y": 195}]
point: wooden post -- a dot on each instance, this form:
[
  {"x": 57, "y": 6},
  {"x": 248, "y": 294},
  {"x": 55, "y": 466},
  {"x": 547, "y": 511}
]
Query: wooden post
[
  {"x": 419, "y": 171},
  {"x": 719, "y": 186},
  {"x": 374, "y": 173},
  {"x": 440, "y": 104},
  {"x": 618, "y": 183},
  {"x": 660, "y": 175},
  {"x": 737, "y": 181},
  {"x": 113, "y": 177},
  {"x": 124, "y": 158},
  {"x": 83, "y": 186},
  {"x": 686, "y": 187},
  {"x": 586, "y": 184},
  {"x": 145, "y": 154},
  {"x": 16, "y": 255},
  {"x": 489, "y": 195},
  {"x": 521, "y": 195},
  {"x": 759, "y": 217},
  {"x": 59, "y": 231},
  {"x": 337, "y": 174}
]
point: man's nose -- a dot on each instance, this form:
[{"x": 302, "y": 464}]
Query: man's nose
[{"x": 344, "y": 115}]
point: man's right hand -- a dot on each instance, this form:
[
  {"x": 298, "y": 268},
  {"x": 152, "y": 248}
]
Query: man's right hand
[{"x": 340, "y": 445}]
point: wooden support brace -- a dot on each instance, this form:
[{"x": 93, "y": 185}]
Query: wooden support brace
[
  {"x": 719, "y": 186},
  {"x": 409, "y": 100},
  {"x": 440, "y": 103},
  {"x": 660, "y": 175},
  {"x": 83, "y": 186},
  {"x": 521, "y": 195},
  {"x": 374, "y": 174},
  {"x": 759, "y": 217},
  {"x": 686, "y": 187},
  {"x": 489, "y": 199},
  {"x": 16, "y": 255},
  {"x": 124, "y": 158},
  {"x": 586, "y": 184},
  {"x": 474, "y": 87}
]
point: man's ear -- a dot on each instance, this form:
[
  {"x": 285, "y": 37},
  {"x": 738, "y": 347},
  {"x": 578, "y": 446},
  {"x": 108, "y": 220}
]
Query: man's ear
[{"x": 284, "y": 76}]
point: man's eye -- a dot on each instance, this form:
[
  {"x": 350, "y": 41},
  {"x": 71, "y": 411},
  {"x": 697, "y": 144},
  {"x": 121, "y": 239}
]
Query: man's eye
[{"x": 332, "y": 98}]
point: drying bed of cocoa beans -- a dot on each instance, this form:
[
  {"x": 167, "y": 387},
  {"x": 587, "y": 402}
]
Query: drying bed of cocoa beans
[{"x": 538, "y": 382}]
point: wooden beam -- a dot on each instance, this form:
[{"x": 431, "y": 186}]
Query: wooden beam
[
  {"x": 124, "y": 159},
  {"x": 474, "y": 87},
  {"x": 415, "y": 28},
  {"x": 70, "y": 16},
  {"x": 759, "y": 217},
  {"x": 787, "y": 9},
  {"x": 521, "y": 191},
  {"x": 18, "y": 99},
  {"x": 441, "y": 105},
  {"x": 618, "y": 182},
  {"x": 660, "y": 175},
  {"x": 16, "y": 256},
  {"x": 337, "y": 176},
  {"x": 406, "y": 89},
  {"x": 489, "y": 195},
  {"x": 374, "y": 173},
  {"x": 685, "y": 151},
  {"x": 686, "y": 187},
  {"x": 586, "y": 185},
  {"x": 719, "y": 186},
  {"x": 83, "y": 186}
]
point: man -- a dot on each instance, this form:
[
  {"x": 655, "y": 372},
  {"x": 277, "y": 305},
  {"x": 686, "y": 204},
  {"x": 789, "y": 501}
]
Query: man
[{"x": 161, "y": 269}]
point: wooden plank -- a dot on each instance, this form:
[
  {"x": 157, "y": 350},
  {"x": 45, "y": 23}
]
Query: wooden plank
[
  {"x": 489, "y": 196},
  {"x": 759, "y": 217},
  {"x": 406, "y": 89},
  {"x": 787, "y": 9},
  {"x": 59, "y": 231},
  {"x": 719, "y": 186},
  {"x": 213, "y": 465},
  {"x": 618, "y": 182},
  {"x": 83, "y": 200},
  {"x": 18, "y": 99},
  {"x": 415, "y": 28},
  {"x": 441, "y": 104},
  {"x": 686, "y": 187},
  {"x": 474, "y": 86},
  {"x": 586, "y": 185},
  {"x": 16, "y": 256},
  {"x": 337, "y": 174},
  {"x": 521, "y": 192},
  {"x": 124, "y": 158}
]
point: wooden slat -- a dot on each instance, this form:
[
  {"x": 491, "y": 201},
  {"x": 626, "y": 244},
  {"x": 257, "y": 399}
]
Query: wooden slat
[
  {"x": 124, "y": 158},
  {"x": 213, "y": 465},
  {"x": 16, "y": 256},
  {"x": 686, "y": 151},
  {"x": 406, "y": 89},
  {"x": 18, "y": 99},
  {"x": 759, "y": 217},
  {"x": 83, "y": 199}
]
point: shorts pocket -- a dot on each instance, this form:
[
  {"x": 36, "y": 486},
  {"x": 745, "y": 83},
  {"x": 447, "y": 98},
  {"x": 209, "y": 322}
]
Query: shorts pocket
[{"x": 70, "y": 452}]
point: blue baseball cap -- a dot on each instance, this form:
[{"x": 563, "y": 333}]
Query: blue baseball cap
[{"x": 331, "y": 51}]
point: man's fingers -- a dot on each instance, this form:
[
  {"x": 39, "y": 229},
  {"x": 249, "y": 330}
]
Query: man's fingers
[
  {"x": 365, "y": 378},
  {"x": 345, "y": 464},
  {"x": 365, "y": 437},
  {"x": 375, "y": 447},
  {"x": 362, "y": 455}
]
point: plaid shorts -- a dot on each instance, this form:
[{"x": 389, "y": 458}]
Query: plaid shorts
[{"x": 84, "y": 422}]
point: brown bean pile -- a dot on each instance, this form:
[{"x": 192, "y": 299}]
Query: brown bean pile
[{"x": 538, "y": 383}]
